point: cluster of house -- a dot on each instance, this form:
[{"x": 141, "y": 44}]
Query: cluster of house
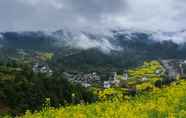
[
  {"x": 114, "y": 81},
  {"x": 182, "y": 67},
  {"x": 42, "y": 68},
  {"x": 89, "y": 79},
  {"x": 174, "y": 67},
  {"x": 85, "y": 80}
]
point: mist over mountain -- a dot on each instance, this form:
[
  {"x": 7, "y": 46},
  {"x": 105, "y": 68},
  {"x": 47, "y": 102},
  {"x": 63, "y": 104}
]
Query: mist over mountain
[
  {"x": 118, "y": 49},
  {"x": 104, "y": 25},
  {"x": 146, "y": 44},
  {"x": 115, "y": 40}
]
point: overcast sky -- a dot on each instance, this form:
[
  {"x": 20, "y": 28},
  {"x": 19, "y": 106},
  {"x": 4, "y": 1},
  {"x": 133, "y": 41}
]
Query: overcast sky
[{"x": 92, "y": 14}]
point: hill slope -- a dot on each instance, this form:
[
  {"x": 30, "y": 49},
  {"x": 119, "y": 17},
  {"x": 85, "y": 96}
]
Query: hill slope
[
  {"x": 161, "y": 103},
  {"x": 91, "y": 51}
]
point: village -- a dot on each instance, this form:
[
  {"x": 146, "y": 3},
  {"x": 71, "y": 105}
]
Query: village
[{"x": 171, "y": 69}]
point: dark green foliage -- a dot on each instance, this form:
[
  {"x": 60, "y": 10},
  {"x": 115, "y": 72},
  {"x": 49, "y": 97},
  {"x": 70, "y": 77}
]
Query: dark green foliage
[
  {"x": 164, "y": 81},
  {"x": 25, "y": 90}
]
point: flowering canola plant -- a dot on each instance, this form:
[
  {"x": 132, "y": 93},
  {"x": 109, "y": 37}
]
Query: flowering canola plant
[{"x": 169, "y": 102}]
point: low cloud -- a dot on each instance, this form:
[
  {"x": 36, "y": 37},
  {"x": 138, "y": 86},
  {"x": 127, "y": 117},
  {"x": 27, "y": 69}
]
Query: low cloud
[
  {"x": 82, "y": 41},
  {"x": 176, "y": 37},
  {"x": 1, "y": 36}
]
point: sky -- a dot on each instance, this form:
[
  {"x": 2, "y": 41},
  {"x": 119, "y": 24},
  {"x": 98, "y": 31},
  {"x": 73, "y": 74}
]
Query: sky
[{"x": 153, "y": 15}]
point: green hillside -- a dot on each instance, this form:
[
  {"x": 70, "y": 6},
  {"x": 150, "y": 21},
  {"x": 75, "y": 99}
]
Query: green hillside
[{"x": 148, "y": 101}]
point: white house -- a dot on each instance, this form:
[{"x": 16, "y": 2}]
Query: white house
[
  {"x": 125, "y": 76},
  {"x": 107, "y": 84},
  {"x": 42, "y": 68},
  {"x": 144, "y": 79}
]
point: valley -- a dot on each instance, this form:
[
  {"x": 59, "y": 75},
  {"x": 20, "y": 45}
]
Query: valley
[{"x": 38, "y": 75}]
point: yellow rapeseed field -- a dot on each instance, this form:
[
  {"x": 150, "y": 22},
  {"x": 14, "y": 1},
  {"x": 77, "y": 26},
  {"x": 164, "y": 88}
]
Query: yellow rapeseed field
[{"x": 169, "y": 102}]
